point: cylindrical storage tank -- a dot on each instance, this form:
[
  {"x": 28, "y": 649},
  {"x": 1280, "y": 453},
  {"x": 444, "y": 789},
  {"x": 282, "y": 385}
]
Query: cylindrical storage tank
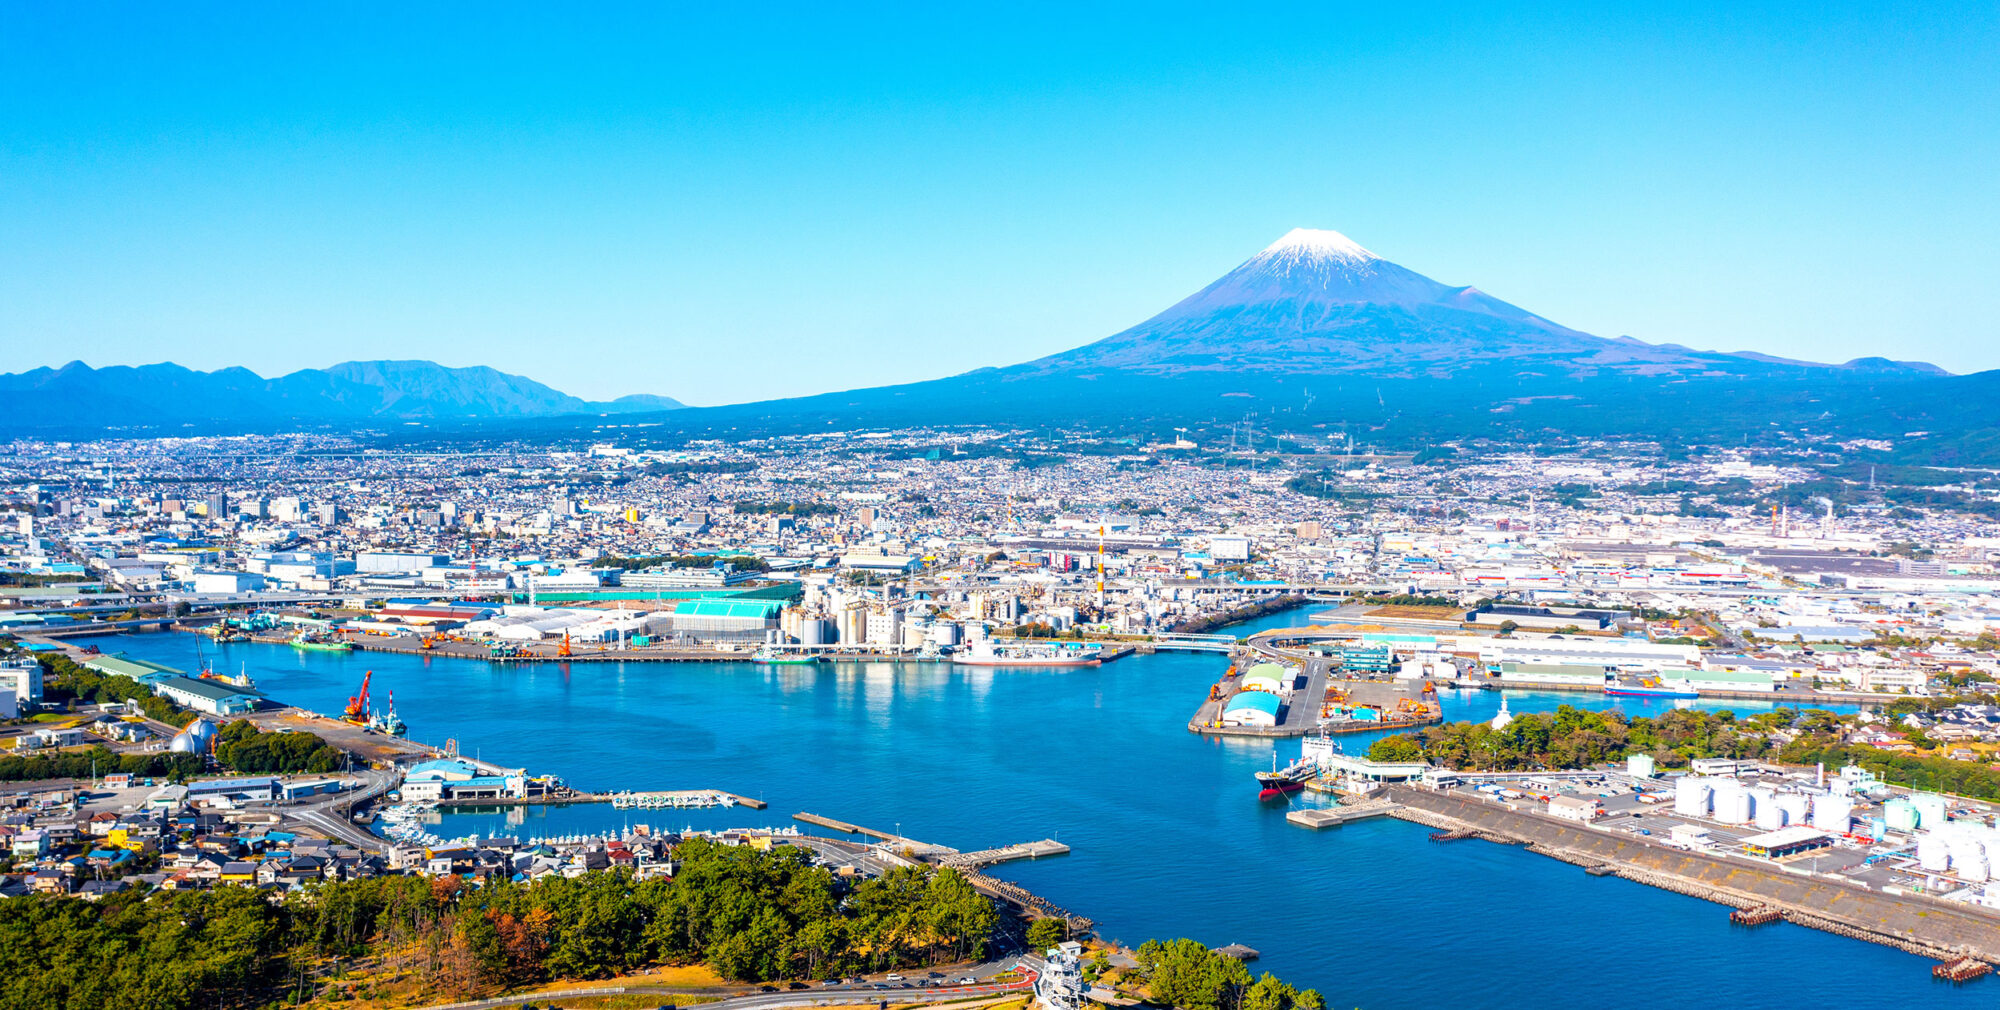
[
  {"x": 1833, "y": 813},
  {"x": 816, "y": 631},
  {"x": 1691, "y": 797},
  {"x": 1968, "y": 859},
  {"x": 1765, "y": 811},
  {"x": 1900, "y": 814},
  {"x": 1932, "y": 853},
  {"x": 1991, "y": 844},
  {"x": 944, "y": 634},
  {"x": 1732, "y": 802},
  {"x": 1794, "y": 806},
  {"x": 1930, "y": 810}
]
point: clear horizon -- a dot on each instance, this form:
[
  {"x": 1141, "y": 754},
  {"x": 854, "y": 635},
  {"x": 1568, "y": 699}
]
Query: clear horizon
[{"x": 727, "y": 206}]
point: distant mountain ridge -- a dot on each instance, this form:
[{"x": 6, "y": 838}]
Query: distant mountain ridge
[{"x": 167, "y": 395}]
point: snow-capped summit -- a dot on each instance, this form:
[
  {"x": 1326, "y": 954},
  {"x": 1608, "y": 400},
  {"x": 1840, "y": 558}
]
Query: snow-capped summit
[{"x": 1318, "y": 243}]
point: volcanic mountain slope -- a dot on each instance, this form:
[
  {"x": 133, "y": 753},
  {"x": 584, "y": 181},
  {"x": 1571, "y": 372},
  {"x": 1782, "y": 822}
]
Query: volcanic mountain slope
[{"x": 1316, "y": 302}]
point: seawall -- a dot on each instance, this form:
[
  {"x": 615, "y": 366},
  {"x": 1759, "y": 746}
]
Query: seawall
[{"x": 1915, "y": 923}]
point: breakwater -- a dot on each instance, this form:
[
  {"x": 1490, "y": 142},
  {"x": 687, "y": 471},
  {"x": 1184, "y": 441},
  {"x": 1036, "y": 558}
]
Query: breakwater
[{"x": 1913, "y": 923}]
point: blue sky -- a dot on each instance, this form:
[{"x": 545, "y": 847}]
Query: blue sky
[{"x": 731, "y": 202}]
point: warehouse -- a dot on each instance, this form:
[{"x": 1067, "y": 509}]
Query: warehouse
[
  {"x": 211, "y": 696},
  {"x": 1553, "y": 674},
  {"x": 1256, "y": 709},
  {"x": 1267, "y": 677},
  {"x": 738, "y": 615}
]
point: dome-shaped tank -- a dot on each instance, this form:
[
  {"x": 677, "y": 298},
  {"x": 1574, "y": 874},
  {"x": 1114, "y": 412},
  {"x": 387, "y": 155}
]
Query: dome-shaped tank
[{"x": 195, "y": 739}]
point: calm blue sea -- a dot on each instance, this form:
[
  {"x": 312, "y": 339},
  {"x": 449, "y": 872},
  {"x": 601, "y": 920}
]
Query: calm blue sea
[{"x": 1168, "y": 836}]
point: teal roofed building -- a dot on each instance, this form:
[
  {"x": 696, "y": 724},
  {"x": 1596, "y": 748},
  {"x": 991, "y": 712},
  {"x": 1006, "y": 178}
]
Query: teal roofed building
[
  {"x": 1251, "y": 708},
  {"x": 733, "y": 615}
]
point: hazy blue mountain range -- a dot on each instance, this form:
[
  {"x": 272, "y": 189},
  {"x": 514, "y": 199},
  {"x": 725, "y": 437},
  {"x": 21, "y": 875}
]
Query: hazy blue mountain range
[
  {"x": 1314, "y": 332},
  {"x": 169, "y": 396}
]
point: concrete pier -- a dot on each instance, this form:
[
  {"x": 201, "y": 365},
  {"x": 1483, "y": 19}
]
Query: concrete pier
[
  {"x": 1005, "y": 854},
  {"x": 1333, "y": 817}
]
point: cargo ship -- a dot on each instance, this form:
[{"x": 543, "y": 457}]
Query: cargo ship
[
  {"x": 1648, "y": 691},
  {"x": 310, "y": 642},
  {"x": 774, "y": 657},
  {"x": 986, "y": 654},
  {"x": 1278, "y": 783}
]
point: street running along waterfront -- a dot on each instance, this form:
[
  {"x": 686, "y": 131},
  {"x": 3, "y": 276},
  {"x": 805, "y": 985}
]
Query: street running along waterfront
[{"x": 1167, "y": 840}]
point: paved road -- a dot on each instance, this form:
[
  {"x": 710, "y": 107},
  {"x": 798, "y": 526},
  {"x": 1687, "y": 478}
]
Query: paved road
[
  {"x": 816, "y": 996},
  {"x": 328, "y": 816}
]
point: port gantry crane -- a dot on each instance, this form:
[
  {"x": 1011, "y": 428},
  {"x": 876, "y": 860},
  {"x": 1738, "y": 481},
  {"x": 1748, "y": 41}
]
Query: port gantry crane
[{"x": 357, "y": 706}]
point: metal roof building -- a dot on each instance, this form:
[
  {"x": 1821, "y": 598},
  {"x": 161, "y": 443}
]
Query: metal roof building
[{"x": 1251, "y": 708}]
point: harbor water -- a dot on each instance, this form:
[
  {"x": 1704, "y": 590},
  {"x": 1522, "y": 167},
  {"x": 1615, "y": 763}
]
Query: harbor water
[{"x": 1168, "y": 837}]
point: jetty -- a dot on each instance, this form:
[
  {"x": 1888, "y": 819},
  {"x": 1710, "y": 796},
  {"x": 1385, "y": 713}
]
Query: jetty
[
  {"x": 843, "y": 826},
  {"x": 1005, "y": 854}
]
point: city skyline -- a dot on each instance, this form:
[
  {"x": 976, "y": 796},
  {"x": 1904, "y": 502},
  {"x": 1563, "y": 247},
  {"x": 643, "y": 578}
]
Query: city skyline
[{"x": 848, "y": 205}]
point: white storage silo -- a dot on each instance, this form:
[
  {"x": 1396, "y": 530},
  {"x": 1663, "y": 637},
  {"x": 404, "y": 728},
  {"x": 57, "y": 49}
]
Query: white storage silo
[
  {"x": 1833, "y": 813},
  {"x": 1932, "y": 853},
  {"x": 1732, "y": 802},
  {"x": 1764, "y": 809},
  {"x": 1691, "y": 796},
  {"x": 944, "y": 634},
  {"x": 1968, "y": 859},
  {"x": 1794, "y": 806}
]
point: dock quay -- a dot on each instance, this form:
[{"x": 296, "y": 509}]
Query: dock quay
[
  {"x": 1333, "y": 817},
  {"x": 651, "y": 800},
  {"x": 1005, "y": 854},
  {"x": 842, "y": 826},
  {"x": 1929, "y": 927}
]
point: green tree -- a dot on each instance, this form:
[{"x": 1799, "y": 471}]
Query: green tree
[{"x": 1046, "y": 933}]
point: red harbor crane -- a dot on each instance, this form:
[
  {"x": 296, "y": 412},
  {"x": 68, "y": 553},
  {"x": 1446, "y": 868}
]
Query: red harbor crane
[{"x": 357, "y": 706}]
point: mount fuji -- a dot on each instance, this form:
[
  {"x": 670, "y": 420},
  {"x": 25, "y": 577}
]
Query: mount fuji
[
  {"x": 1315, "y": 330},
  {"x": 1316, "y": 302}
]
